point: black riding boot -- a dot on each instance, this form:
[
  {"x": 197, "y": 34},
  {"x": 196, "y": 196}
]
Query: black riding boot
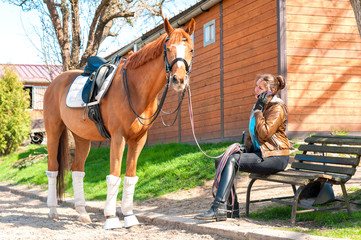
[
  {"x": 233, "y": 211},
  {"x": 218, "y": 211}
]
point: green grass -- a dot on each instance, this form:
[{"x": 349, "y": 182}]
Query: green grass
[{"x": 161, "y": 169}]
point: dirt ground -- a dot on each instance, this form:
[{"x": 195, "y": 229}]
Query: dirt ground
[
  {"x": 26, "y": 218},
  {"x": 23, "y": 217}
]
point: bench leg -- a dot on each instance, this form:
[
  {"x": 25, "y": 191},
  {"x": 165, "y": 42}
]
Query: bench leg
[
  {"x": 345, "y": 197},
  {"x": 294, "y": 189},
  {"x": 294, "y": 205},
  {"x": 248, "y": 195}
]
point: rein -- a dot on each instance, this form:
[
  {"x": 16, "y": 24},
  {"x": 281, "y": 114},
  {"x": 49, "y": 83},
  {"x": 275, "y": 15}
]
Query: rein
[
  {"x": 160, "y": 105},
  {"x": 235, "y": 147},
  {"x": 176, "y": 110}
]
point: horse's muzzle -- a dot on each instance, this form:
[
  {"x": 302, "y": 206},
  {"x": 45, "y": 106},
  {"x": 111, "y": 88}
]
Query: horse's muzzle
[{"x": 180, "y": 83}]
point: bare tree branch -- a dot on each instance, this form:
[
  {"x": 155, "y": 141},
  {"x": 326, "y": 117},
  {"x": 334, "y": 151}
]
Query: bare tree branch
[{"x": 65, "y": 38}]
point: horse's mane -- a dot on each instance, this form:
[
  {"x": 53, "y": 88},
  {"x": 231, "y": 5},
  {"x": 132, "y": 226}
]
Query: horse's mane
[
  {"x": 153, "y": 49},
  {"x": 147, "y": 53}
]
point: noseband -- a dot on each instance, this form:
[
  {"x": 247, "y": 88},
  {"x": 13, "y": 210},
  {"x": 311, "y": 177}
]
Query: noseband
[{"x": 168, "y": 70}]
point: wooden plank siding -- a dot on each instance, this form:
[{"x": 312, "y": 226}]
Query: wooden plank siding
[
  {"x": 250, "y": 48},
  {"x": 323, "y": 66}
]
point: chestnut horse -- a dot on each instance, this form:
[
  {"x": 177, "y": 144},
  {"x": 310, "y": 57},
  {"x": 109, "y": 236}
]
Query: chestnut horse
[{"x": 147, "y": 72}]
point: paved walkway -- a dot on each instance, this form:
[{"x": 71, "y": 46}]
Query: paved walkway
[{"x": 177, "y": 210}]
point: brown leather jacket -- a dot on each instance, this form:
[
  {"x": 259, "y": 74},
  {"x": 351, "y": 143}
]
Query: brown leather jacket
[{"x": 270, "y": 129}]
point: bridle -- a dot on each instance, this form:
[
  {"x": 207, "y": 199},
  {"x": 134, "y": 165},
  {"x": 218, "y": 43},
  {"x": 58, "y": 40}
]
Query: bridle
[
  {"x": 168, "y": 70},
  {"x": 168, "y": 66}
]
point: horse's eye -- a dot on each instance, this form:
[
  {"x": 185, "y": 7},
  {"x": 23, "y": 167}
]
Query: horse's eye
[
  {"x": 168, "y": 50},
  {"x": 191, "y": 50}
]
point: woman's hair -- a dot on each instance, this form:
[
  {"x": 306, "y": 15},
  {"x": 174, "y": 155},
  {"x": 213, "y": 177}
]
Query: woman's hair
[{"x": 273, "y": 82}]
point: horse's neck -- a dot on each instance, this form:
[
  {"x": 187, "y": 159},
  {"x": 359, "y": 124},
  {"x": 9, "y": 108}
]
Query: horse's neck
[{"x": 147, "y": 81}]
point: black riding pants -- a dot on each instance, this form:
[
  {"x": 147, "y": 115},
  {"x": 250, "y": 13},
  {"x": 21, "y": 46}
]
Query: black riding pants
[{"x": 247, "y": 162}]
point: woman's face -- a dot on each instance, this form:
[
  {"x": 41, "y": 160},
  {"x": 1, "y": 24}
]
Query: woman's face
[{"x": 261, "y": 86}]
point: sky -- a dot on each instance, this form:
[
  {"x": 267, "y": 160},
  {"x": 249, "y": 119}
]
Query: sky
[{"x": 16, "y": 47}]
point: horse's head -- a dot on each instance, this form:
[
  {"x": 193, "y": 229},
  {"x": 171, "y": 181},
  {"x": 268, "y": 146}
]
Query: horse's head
[{"x": 178, "y": 54}]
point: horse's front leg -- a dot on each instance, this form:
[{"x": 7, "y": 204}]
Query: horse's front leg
[
  {"x": 113, "y": 182},
  {"x": 134, "y": 149}
]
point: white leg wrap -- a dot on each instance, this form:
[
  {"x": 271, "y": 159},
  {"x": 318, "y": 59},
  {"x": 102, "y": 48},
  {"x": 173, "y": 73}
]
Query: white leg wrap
[
  {"x": 78, "y": 186},
  {"x": 52, "y": 199},
  {"x": 127, "y": 201},
  {"x": 112, "y": 193},
  {"x": 79, "y": 199}
]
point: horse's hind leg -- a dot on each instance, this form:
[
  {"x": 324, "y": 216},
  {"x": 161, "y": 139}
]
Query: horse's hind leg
[
  {"x": 82, "y": 147},
  {"x": 55, "y": 134}
]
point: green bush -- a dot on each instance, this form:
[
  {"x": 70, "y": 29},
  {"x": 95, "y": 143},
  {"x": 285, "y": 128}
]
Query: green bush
[{"x": 14, "y": 120}]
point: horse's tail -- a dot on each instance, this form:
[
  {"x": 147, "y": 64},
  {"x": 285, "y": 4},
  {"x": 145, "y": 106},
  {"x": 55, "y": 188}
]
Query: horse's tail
[{"x": 62, "y": 158}]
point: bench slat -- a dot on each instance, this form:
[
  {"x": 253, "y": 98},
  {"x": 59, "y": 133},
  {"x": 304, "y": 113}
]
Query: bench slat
[
  {"x": 330, "y": 149},
  {"x": 336, "y": 178},
  {"x": 284, "y": 178},
  {"x": 300, "y": 177},
  {"x": 326, "y": 159},
  {"x": 323, "y": 168},
  {"x": 351, "y": 140},
  {"x": 337, "y": 136}
]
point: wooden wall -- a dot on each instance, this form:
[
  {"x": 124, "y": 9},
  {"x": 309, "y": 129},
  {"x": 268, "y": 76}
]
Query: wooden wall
[
  {"x": 250, "y": 48},
  {"x": 324, "y": 66},
  {"x": 323, "y": 55}
]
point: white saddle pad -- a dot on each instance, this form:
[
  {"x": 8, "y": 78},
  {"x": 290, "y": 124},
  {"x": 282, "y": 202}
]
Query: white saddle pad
[{"x": 74, "y": 96}]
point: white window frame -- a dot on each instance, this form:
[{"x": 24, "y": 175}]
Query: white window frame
[{"x": 209, "y": 33}]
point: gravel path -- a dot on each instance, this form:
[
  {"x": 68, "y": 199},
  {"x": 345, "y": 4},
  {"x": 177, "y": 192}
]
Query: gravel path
[{"x": 23, "y": 217}]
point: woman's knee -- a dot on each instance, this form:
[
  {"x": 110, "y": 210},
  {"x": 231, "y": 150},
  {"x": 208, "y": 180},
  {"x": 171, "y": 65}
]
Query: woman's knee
[{"x": 233, "y": 159}]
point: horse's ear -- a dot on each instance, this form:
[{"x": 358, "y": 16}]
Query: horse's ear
[
  {"x": 191, "y": 27},
  {"x": 168, "y": 28}
]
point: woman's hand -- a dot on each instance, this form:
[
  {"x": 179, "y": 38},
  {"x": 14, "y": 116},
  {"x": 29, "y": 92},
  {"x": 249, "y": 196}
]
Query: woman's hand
[{"x": 262, "y": 100}]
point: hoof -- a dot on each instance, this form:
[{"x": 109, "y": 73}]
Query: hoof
[
  {"x": 84, "y": 218},
  {"x": 83, "y": 215},
  {"x": 112, "y": 223},
  {"x": 53, "y": 214},
  {"x": 130, "y": 221}
]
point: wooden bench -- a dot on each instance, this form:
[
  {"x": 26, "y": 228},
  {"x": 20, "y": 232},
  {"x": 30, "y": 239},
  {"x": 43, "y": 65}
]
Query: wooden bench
[{"x": 325, "y": 159}]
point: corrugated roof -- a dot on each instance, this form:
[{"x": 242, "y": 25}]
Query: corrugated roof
[{"x": 34, "y": 73}]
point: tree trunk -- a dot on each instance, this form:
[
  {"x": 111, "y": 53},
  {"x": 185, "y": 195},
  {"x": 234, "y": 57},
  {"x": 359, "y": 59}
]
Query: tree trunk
[{"x": 356, "y": 5}]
